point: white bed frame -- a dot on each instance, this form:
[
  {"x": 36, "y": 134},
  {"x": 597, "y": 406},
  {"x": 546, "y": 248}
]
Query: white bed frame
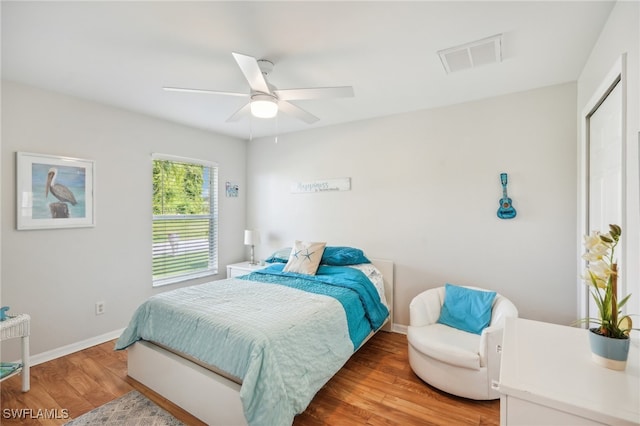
[{"x": 208, "y": 396}]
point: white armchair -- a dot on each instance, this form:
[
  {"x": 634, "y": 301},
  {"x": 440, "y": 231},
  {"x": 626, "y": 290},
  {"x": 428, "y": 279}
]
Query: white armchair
[{"x": 457, "y": 362}]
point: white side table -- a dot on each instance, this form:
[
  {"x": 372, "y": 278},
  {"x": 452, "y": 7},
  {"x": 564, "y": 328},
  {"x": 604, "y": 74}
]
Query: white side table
[
  {"x": 18, "y": 326},
  {"x": 242, "y": 268}
]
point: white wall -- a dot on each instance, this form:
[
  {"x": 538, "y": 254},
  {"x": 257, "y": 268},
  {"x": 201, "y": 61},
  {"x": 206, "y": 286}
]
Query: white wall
[
  {"x": 425, "y": 191},
  {"x": 621, "y": 34},
  {"x": 57, "y": 275}
]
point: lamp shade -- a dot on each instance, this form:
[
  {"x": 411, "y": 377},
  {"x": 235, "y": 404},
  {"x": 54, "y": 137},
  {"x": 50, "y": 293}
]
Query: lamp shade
[
  {"x": 263, "y": 106},
  {"x": 251, "y": 237}
]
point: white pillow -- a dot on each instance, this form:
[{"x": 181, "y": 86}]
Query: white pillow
[
  {"x": 305, "y": 257},
  {"x": 376, "y": 278}
]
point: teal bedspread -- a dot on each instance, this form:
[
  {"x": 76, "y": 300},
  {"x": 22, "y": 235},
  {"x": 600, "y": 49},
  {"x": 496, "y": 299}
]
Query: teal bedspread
[
  {"x": 349, "y": 286},
  {"x": 283, "y": 352}
]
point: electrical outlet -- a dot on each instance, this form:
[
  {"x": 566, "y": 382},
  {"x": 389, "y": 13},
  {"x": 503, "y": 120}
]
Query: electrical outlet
[{"x": 100, "y": 308}]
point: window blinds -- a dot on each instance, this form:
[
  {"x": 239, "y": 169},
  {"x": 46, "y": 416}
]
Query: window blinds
[{"x": 185, "y": 213}]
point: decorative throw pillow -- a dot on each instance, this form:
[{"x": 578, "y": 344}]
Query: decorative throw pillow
[
  {"x": 466, "y": 309},
  {"x": 343, "y": 256},
  {"x": 280, "y": 256},
  {"x": 305, "y": 257}
]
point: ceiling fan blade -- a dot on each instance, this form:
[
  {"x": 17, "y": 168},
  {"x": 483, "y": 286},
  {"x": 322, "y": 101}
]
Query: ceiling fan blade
[
  {"x": 236, "y": 116},
  {"x": 249, "y": 67},
  {"x": 296, "y": 111},
  {"x": 314, "y": 93},
  {"x": 209, "y": 92}
]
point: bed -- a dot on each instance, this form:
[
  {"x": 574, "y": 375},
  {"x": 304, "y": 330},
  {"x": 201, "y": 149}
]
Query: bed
[{"x": 282, "y": 342}]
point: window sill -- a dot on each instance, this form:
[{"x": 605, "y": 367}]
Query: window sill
[{"x": 182, "y": 278}]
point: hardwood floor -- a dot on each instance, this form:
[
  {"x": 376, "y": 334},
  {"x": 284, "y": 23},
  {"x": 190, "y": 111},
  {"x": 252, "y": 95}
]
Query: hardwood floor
[{"x": 375, "y": 387}]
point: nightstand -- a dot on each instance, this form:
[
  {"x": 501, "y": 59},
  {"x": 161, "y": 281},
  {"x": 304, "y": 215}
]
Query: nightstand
[
  {"x": 18, "y": 326},
  {"x": 242, "y": 268}
]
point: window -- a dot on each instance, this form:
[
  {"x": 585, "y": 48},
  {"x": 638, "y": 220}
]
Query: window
[{"x": 185, "y": 219}]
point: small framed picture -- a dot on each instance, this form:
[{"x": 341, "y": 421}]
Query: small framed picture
[
  {"x": 232, "y": 189},
  {"x": 54, "y": 191}
]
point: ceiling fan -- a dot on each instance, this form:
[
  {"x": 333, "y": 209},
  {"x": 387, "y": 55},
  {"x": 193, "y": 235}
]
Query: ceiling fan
[{"x": 265, "y": 100}]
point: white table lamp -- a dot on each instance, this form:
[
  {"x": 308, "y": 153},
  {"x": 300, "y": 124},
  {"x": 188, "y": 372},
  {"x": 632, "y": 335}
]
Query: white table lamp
[{"x": 251, "y": 238}]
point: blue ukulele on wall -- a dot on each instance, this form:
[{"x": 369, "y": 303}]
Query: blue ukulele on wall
[{"x": 506, "y": 210}]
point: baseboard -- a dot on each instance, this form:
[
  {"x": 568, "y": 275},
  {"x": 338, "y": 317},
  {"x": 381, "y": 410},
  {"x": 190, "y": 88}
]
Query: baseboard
[
  {"x": 97, "y": 340},
  {"x": 74, "y": 347},
  {"x": 399, "y": 328}
]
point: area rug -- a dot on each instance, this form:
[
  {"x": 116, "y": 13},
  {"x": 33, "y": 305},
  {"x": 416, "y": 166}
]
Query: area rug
[{"x": 132, "y": 409}]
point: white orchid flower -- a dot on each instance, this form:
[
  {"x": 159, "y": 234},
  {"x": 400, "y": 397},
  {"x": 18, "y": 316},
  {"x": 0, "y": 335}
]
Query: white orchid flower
[
  {"x": 591, "y": 278},
  {"x": 600, "y": 268},
  {"x": 592, "y": 240}
]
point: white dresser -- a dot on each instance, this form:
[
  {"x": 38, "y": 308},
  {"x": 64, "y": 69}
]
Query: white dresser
[{"x": 547, "y": 378}]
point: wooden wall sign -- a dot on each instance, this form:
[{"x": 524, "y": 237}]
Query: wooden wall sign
[{"x": 324, "y": 185}]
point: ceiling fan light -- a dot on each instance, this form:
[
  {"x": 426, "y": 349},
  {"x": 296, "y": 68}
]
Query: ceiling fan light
[{"x": 263, "y": 106}]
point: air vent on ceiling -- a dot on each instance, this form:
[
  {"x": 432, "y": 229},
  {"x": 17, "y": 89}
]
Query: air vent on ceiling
[{"x": 473, "y": 54}]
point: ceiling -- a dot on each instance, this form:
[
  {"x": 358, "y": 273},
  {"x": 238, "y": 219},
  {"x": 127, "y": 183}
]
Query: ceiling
[{"x": 123, "y": 53}]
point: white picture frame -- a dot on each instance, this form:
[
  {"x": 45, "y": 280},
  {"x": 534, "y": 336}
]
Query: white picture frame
[{"x": 72, "y": 205}]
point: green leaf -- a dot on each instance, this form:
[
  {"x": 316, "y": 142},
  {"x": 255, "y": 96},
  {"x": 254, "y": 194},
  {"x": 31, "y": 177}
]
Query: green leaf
[{"x": 623, "y": 301}]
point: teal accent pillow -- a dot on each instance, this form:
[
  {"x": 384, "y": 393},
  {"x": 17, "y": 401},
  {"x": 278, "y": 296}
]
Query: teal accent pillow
[
  {"x": 466, "y": 309},
  {"x": 333, "y": 256},
  {"x": 280, "y": 256},
  {"x": 343, "y": 256}
]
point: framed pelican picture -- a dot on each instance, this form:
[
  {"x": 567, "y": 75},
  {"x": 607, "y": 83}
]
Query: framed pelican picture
[{"x": 54, "y": 191}]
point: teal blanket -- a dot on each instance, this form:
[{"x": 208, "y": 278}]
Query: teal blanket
[
  {"x": 349, "y": 286},
  {"x": 283, "y": 352}
]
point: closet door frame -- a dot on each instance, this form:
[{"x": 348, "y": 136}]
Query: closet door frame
[{"x": 615, "y": 76}]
